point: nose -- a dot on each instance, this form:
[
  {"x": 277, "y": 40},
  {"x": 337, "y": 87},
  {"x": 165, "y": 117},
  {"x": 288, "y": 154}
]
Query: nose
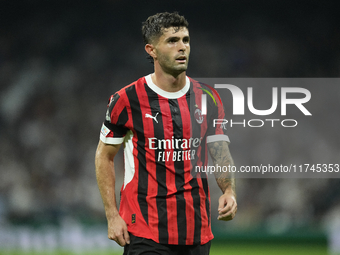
[{"x": 182, "y": 46}]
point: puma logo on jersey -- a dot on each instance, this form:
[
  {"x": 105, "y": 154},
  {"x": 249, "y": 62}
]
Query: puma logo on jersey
[{"x": 152, "y": 117}]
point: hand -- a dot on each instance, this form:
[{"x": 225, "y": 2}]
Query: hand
[
  {"x": 117, "y": 231},
  {"x": 227, "y": 207}
]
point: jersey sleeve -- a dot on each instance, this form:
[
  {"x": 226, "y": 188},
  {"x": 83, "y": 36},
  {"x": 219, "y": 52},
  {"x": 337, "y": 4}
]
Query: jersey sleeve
[
  {"x": 113, "y": 129},
  {"x": 217, "y": 130}
]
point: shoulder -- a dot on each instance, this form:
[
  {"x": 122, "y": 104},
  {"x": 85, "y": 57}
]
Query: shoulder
[
  {"x": 131, "y": 87},
  {"x": 128, "y": 91},
  {"x": 200, "y": 87}
]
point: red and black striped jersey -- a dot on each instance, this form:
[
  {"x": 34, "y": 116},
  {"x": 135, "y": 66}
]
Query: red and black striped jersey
[{"x": 165, "y": 136}]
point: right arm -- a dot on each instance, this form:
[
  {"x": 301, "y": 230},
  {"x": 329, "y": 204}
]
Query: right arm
[{"x": 105, "y": 173}]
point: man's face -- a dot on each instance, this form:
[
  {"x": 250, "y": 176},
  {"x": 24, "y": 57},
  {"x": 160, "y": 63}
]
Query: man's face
[{"x": 172, "y": 50}]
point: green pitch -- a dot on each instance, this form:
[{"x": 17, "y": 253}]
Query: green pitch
[
  {"x": 269, "y": 249},
  {"x": 222, "y": 249}
]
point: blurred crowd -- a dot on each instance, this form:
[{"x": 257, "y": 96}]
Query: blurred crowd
[{"x": 58, "y": 67}]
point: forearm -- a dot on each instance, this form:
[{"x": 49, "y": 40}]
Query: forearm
[
  {"x": 105, "y": 174},
  {"x": 226, "y": 183},
  {"x": 221, "y": 156}
]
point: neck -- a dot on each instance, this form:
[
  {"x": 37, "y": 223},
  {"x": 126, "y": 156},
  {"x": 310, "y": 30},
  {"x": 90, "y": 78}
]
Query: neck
[{"x": 168, "y": 82}]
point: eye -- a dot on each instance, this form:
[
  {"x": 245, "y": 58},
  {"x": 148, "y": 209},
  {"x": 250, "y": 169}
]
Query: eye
[
  {"x": 172, "y": 40},
  {"x": 186, "y": 39}
]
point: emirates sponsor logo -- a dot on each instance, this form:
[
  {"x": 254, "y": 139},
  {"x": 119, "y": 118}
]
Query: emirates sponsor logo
[{"x": 174, "y": 143}]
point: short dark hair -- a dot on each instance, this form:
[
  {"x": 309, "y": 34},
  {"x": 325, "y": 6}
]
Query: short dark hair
[{"x": 153, "y": 27}]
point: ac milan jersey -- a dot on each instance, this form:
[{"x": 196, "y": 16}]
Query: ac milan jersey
[{"x": 165, "y": 136}]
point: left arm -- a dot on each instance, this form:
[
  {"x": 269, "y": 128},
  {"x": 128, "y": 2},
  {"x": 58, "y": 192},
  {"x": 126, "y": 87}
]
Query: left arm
[{"x": 219, "y": 152}]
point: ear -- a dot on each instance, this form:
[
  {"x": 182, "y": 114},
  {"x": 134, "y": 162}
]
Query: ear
[{"x": 150, "y": 49}]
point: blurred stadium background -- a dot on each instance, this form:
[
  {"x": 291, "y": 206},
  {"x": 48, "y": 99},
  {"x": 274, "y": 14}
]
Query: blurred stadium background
[{"x": 60, "y": 61}]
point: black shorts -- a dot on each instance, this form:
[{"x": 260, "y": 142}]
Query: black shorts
[{"x": 143, "y": 246}]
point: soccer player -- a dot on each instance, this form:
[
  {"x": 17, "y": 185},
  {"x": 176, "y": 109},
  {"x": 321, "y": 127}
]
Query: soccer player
[{"x": 165, "y": 204}]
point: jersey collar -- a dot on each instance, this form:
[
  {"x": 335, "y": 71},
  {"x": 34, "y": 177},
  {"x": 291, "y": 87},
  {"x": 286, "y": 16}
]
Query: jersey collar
[{"x": 166, "y": 94}]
